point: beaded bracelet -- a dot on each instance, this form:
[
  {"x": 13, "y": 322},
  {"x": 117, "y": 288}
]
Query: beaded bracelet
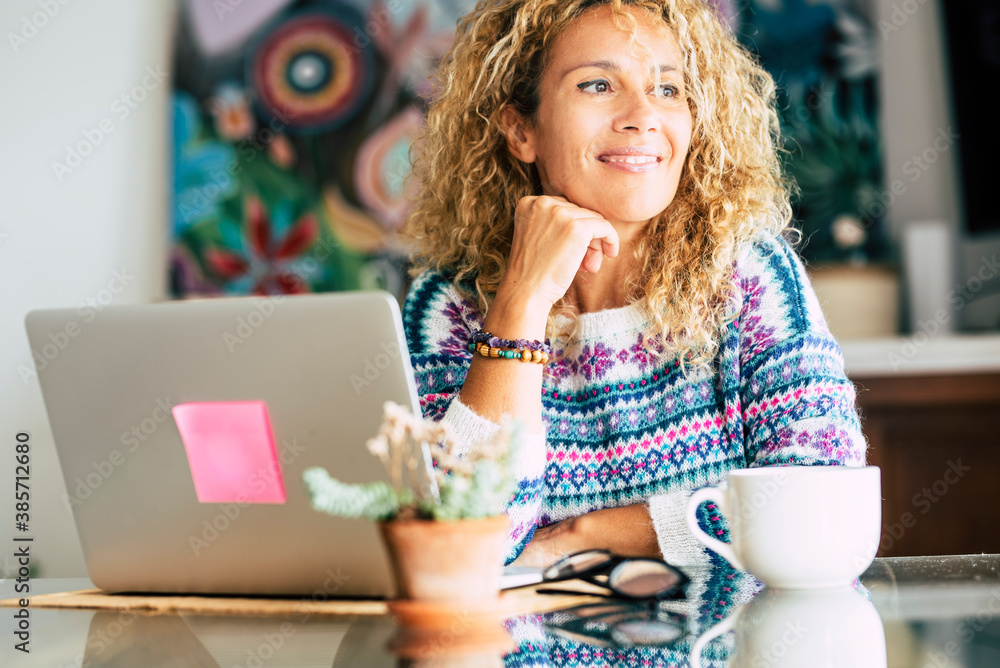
[
  {"x": 496, "y": 342},
  {"x": 524, "y": 354}
]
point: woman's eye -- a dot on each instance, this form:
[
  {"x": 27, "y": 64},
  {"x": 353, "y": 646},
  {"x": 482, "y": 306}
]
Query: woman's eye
[
  {"x": 669, "y": 91},
  {"x": 600, "y": 86}
]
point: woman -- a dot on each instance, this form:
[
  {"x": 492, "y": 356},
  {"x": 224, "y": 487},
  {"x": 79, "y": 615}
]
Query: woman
[{"x": 604, "y": 173}]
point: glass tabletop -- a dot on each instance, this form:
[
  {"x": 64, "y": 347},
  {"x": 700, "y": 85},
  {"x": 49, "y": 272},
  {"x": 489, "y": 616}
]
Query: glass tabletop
[{"x": 905, "y": 612}]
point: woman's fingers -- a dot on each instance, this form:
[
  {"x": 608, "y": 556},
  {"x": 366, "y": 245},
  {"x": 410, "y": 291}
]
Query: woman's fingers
[
  {"x": 586, "y": 225},
  {"x": 592, "y": 260},
  {"x": 603, "y": 236},
  {"x": 603, "y": 242},
  {"x": 553, "y": 240}
]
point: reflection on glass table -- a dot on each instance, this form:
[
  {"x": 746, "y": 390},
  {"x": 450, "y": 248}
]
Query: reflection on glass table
[
  {"x": 790, "y": 628},
  {"x": 713, "y": 594},
  {"x": 934, "y": 612},
  {"x": 919, "y": 612},
  {"x": 617, "y": 624}
]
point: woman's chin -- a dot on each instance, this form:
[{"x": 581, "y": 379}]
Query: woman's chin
[
  {"x": 627, "y": 207},
  {"x": 631, "y": 215}
]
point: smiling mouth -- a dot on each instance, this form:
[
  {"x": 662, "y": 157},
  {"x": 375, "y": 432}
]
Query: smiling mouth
[{"x": 630, "y": 159}]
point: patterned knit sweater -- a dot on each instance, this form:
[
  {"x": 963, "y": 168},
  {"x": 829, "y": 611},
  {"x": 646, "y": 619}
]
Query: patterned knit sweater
[
  {"x": 624, "y": 427},
  {"x": 716, "y": 592}
]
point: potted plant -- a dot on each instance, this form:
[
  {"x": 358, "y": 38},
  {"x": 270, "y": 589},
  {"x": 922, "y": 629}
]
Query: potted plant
[{"x": 446, "y": 540}]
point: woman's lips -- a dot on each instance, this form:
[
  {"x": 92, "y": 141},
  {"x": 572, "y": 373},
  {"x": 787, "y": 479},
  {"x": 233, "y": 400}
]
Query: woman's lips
[{"x": 633, "y": 164}]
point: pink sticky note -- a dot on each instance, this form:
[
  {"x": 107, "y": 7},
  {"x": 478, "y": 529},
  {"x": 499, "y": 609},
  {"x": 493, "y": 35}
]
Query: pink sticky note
[{"x": 231, "y": 451}]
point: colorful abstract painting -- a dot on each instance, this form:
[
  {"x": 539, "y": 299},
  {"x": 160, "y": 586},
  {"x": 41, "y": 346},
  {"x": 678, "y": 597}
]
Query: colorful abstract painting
[{"x": 292, "y": 124}]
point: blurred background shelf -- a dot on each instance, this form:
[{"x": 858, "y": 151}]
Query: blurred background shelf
[
  {"x": 929, "y": 408},
  {"x": 919, "y": 354}
]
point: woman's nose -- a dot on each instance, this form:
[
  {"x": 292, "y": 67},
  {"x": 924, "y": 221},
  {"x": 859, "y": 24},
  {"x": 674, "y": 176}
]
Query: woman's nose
[{"x": 636, "y": 113}]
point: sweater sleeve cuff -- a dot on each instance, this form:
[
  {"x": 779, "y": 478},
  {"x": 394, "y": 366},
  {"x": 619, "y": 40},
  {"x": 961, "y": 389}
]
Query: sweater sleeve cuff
[
  {"x": 469, "y": 427},
  {"x": 677, "y": 544}
]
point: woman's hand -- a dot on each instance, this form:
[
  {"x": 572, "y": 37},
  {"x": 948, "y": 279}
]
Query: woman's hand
[
  {"x": 553, "y": 240},
  {"x": 549, "y": 543},
  {"x": 627, "y": 531}
]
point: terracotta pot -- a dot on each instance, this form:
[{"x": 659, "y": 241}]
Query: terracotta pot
[{"x": 456, "y": 560}]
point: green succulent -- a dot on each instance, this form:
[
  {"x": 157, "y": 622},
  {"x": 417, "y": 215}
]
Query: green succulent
[
  {"x": 374, "y": 500},
  {"x": 470, "y": 485}
]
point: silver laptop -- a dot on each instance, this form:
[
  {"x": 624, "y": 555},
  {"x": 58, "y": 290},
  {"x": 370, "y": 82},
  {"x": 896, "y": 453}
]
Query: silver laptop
[{"x": 152, "y": 509}]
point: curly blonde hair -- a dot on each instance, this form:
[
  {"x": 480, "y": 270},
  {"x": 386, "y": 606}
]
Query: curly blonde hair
[{"x": 731, "y": 187}]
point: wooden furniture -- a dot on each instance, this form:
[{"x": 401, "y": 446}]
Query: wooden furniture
[{"x": 936, "y": 438}]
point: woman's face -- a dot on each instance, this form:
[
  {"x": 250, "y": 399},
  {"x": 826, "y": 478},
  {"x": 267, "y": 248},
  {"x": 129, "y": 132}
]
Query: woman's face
[{"x": 607, "y": 137}]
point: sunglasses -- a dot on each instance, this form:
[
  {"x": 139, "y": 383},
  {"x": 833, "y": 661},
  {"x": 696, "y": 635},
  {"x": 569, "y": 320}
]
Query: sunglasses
[
  {"x": 617, "y": 624},
  {"x": 632, "y": 578}
]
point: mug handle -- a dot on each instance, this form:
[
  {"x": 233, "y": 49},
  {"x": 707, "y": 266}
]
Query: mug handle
[
  {"x": 717, "y": 496},
  {"x": 726, "y": 625}
]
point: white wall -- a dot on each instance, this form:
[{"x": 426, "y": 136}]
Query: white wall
[
  {"x": 64, "y": 67},
  {"x": 915, "y": 109},
  {"x": 916, "y": 112}
]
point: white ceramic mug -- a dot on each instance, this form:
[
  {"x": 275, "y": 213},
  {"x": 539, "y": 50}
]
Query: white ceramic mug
[
  {"x": 797, "y": 527},
  {"x": 788, "y": 628}
]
